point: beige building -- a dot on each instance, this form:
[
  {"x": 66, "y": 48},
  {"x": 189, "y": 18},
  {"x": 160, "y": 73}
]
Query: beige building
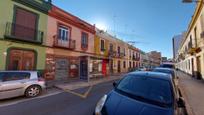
[
  {"x": 155, "y": 58},
  {"x": 191, "y": 53}
]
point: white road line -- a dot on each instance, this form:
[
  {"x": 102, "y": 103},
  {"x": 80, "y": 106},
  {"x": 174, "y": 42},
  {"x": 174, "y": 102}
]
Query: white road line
[{"x": 27, "y": 99}]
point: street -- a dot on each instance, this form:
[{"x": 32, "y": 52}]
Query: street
[{"x": 63, "y": 103}]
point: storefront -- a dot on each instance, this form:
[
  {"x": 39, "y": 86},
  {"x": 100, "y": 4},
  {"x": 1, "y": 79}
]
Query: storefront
[
  {"x": 98, "y": 67},
  {"x": 61, "y": 68}
]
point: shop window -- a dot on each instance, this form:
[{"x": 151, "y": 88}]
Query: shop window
[{"x": 21, "y": 60}]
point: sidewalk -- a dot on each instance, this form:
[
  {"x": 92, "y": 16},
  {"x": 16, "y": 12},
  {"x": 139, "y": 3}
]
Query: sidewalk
[
  {"x": 81, "y": 84},
  {"x": 193, "y": 92}
]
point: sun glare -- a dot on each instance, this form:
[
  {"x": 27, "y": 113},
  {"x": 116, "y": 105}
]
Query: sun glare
[{"x": 101, "y": 26}]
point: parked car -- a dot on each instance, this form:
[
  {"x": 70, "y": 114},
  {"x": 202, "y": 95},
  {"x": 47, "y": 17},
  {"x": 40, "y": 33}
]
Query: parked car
[
  {"x": 168, "y": 65},
  {"x": 142, "y": 93},
  {"x": 172, "y": 72},
  {"x": 19, "y": 83}
]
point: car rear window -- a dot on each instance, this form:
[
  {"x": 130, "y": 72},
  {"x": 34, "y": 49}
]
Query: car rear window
[
  {"x": 165, "y": 71},
  {"x": 11, "y": 76},
  {"x": 153, "y": 89},
  {"x": 167, "y": 66}
]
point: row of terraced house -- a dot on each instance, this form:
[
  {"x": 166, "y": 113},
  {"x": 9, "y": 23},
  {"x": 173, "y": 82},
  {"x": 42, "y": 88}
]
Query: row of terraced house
[
  {"x": 37, "y": 35},
  {"x": 189, "y": 46}
]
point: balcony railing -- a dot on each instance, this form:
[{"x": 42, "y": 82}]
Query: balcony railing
[
  {"x": 112, "y": 53},
  {"x": 69, "y": 44},
  {"x": 136, "y": 58},
  {"x": 120, "y": 54},
  {"x": 194, "y": 50},
  {"x": 22, "y": 33}
]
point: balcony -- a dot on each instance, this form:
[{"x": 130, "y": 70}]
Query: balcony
[
  {"x": 181, "y": 56},
  {"x": 68, "y": 44},
  {"x": 136, "y": 58},
  {"x": 112, "y": 53},
  {"x": 22, "y": 33},
  {"x": 194, "y": 50},
  {"x": 120, "y": 54}
]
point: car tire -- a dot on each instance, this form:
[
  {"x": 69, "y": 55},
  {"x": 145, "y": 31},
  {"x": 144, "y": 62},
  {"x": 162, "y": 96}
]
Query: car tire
[{"x": 33, "y": 91}]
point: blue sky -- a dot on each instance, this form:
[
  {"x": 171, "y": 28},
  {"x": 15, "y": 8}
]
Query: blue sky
[{"x": 150, "y": 23}]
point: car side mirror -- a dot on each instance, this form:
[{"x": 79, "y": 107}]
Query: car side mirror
[
  {"x": 115, "y": 84},
  {"x": 181, "y": 103}
]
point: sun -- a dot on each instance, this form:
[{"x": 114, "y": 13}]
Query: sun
[{"x": 101, "y": 26}]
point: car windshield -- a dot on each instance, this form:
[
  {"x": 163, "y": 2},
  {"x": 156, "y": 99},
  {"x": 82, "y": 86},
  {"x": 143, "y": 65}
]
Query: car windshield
[
  {"x": 165, "y": 71},
  {"x": 152, "y": 90}
]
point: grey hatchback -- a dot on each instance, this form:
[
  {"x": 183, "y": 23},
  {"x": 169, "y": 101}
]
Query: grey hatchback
[{"x": 19, "y": 83}]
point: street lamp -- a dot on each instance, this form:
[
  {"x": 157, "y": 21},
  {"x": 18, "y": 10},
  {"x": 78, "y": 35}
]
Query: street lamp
[{"x": 190, "y": 1}]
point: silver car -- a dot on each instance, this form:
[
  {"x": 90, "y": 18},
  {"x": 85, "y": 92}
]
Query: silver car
[{"x": 19, "y": 83}]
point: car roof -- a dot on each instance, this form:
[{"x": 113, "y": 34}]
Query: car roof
[
  {"x": 159, "y": 75},
  {"x": 161, "y": 68}
]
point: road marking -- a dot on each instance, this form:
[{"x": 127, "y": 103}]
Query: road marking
[
  {"x": 85, "y": 95},
  {"x": 24, "y": 99}
]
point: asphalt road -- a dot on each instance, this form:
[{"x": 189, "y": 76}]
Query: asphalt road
[{"x": 64, "y": 103}]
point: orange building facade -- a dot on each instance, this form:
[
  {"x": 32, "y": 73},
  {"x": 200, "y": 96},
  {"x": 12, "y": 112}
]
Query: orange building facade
[{"x": 70, "y": 44}]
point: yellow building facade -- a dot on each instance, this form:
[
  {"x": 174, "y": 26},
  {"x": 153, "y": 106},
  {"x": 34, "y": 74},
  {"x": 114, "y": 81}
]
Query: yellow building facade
[{"x": 191, "y": 51}]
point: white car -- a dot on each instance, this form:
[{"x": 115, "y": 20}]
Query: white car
[{"x": 19, "y": 83}]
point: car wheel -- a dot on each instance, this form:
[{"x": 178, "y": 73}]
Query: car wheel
[{"x": 33, "y": 91}]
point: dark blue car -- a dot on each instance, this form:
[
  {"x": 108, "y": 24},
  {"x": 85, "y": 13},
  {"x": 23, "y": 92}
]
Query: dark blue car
[{"x": 141, "y": 93}]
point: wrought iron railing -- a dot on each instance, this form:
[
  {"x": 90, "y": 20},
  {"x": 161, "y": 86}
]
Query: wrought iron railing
[{"x": 69, "y": 44}]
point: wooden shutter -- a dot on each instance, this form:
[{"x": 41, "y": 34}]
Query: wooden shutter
[{"x": 25, "y": 25}]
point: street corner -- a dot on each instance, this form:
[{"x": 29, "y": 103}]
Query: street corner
[{"x": 80, "y": 92}]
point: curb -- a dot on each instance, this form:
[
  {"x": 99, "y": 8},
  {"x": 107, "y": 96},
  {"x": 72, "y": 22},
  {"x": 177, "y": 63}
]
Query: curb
[{"x": 189, "y": 109}]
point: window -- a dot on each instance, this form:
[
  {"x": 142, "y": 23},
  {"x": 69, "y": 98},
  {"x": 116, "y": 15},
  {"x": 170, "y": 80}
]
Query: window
[
  {"x": 124, "y": 51},
  {"x": 84, "y": 40},
  {"x": 102, "y": 45},
  {"x": 25, "y": 24},
  {"x": 130, "y": 64},
  {"x": 111, "y": 47},
  {"x": 124, "y": 64},
  {"x": 12, "y": 76},
  {"x": 63, "y": 33},
  {"x": 118, "y": 50}
]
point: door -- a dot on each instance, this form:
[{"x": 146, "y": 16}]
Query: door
[
  {"x": 119, "y": 67},
  {"x": 198, "y": 67},
  {"x": 13, "y": 84},
  {"x": 111, "y": 66},
  {"x": 104, "y": 72},
  {"x": 21, "y": 60},
  {"x": 25, "y": 25},
  {"x": 63, "y": 36},
  {"x": 61, "y": 71},
  {"x": 84, "y": 68},
  {"x": 192, "y": 65}
]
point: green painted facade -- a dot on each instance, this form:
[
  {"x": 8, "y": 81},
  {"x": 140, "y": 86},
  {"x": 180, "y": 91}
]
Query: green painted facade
[{"x": 7, "y": 14}]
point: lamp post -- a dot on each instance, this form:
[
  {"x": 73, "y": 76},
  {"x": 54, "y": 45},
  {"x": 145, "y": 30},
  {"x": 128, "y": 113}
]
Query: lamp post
[{"x": 191, "y": 1}]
